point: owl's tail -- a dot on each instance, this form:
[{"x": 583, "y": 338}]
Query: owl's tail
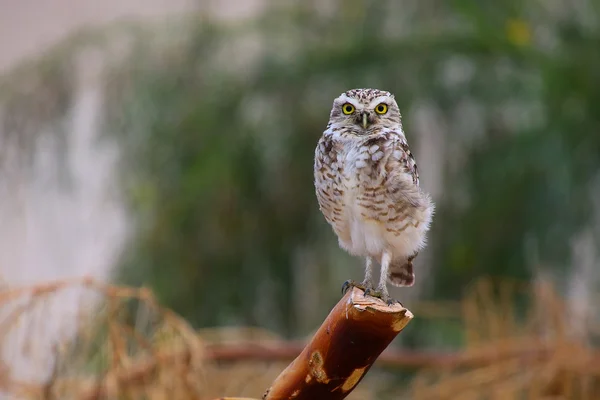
[{"x": 401, "y": 272}]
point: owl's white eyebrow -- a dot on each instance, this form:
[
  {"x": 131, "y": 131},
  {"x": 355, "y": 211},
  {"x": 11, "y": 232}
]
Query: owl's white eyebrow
[
  {"x": 380, "y": 99},
  {"x": 345, "y": 99}
]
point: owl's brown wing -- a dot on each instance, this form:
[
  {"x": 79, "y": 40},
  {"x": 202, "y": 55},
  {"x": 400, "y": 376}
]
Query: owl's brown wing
[
  {"x": 327, "y": 181},
  {"x": 408, "y": 160},
  {"x": 402, "y": 180}
]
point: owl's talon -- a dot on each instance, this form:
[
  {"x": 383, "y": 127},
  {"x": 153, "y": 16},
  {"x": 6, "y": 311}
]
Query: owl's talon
[
  {"x": 350, "y": 284},
  {"x": 387, "y": 299},
  {"x": 383, "y": 295},
  {"x": 372, "y": 292},
  {"x": 391, "y": 301},
  {"x": 345, "y": 287}
]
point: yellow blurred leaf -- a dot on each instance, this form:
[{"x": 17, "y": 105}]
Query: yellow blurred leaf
[{"x": 518, "y": 32}]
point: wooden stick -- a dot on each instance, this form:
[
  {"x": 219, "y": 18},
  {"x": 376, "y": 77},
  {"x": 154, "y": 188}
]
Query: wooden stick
[
  {"x": 528, "y": 350},
  {"x": 341, "y": 352}
]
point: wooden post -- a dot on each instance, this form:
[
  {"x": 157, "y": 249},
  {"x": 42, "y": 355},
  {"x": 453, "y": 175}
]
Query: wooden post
[{"x": 341, "y": 352}]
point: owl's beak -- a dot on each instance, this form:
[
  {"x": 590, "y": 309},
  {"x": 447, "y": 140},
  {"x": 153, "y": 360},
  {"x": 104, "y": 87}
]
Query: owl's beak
[{"x": 365, "y": 120}]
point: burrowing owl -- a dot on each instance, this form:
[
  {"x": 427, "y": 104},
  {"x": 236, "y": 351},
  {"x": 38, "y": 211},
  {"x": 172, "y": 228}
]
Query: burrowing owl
[{"x": 367, "y": 186}]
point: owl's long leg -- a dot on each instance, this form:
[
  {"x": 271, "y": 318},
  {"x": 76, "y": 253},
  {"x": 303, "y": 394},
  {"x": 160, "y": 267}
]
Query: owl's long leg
[
  {"x": 368, "y": 273},
  {"x": 382, "y": 291},
  {"x": 366, "y": 285},
  {"x": 386, "y": 259}
]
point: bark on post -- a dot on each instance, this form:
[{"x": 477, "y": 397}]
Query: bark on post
[{"x": 341, "y": 352}]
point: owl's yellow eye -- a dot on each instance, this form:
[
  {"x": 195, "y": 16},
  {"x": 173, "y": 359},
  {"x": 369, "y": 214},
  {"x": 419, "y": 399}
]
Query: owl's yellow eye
[
  {"x": 347, "y": 108},
  {"x": 381, "y": 108}
]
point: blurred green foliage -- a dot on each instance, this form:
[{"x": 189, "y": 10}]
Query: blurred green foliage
[
  {"x": 219, "y": 135},
  {"x": 218, "y": 126}
]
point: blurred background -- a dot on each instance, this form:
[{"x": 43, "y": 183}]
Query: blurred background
[{"x": 169, "y": 146}]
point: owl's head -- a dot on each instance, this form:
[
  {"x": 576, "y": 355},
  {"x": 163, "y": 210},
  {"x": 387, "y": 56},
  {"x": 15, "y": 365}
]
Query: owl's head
[{"x": 365, "y": 111}]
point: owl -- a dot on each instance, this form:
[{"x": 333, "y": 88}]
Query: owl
[{"x": 367, "y": 187}]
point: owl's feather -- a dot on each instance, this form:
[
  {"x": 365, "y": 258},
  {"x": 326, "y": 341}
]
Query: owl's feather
[{"x": 401, "y": 273}]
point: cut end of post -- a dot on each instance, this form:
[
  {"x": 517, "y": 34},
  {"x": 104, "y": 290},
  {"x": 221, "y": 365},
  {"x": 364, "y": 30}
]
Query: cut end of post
[{"x": 357, "y": 297}]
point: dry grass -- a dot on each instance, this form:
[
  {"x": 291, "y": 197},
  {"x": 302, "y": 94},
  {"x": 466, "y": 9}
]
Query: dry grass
[
  {"x": 131, "y": 347},
  {"x": 542, "y": 354}
]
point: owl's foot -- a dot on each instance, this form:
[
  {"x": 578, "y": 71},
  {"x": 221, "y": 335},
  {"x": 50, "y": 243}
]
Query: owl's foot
[
  {"x": 350, "y": 284},
  {"x": 366, "y": 286},
  {"x": 382, "y": 293}
]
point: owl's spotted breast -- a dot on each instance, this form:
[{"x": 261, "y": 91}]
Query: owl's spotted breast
[{"x": 368, "y": 192}]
